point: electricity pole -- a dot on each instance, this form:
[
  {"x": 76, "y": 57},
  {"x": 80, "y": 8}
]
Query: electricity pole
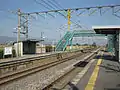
[
  {"x": 41, "y": 41},
  {"x": 18, "y": 32},
  {"x": 26, "y": 27}
]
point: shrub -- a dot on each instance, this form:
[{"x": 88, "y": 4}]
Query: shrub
[
  {"x": 14, "y": 53},
  {"x": 1, "y": 53}
]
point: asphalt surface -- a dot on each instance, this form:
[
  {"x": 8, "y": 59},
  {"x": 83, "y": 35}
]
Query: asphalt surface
[
  {"x": 83, "y": 82},
  {"x": 108, "y": 77}
]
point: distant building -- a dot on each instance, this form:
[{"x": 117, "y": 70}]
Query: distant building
[{"x": 43, "y": 48}]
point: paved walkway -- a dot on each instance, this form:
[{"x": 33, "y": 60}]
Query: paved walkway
[{"x": 103, "y": 74}]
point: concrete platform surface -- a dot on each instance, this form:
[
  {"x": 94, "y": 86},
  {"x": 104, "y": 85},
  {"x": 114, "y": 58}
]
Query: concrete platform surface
[{"x": 102, "y": 76}]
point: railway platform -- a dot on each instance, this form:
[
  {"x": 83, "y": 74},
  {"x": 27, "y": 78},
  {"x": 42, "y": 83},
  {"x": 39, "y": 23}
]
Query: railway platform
[
  {"x": 103, "y": 74},
  {"x": 25, "y": 56}
]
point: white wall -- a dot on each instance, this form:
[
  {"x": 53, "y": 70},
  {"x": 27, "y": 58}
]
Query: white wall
[{"x": 19, "y": 47}]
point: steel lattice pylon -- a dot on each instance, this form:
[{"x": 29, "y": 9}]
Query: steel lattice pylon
[{"x": 24, "y": 17}]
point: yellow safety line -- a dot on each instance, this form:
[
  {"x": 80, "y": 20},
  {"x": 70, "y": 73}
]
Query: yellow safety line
[{"x": 92, "y": 80}]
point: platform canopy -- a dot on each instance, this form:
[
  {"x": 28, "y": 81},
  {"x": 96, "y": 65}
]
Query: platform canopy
[{"x": 106, "y": 29}]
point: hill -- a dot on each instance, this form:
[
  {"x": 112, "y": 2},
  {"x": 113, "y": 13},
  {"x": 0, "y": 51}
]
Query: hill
[{"x": 6, "y": 39}]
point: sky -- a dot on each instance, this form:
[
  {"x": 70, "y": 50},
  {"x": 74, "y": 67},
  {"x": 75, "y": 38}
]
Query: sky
[{"x": 51, "y": 26}]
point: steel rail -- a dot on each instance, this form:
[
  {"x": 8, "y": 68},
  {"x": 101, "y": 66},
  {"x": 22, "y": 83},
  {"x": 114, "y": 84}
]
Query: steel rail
[
  {"x": 49, "y": 87},
  {"x": 25, "y": 72},
  {"x": 25, "y": 60},
  {"x": 16, "y": 75},
  {"x": 7, "y": 63}
]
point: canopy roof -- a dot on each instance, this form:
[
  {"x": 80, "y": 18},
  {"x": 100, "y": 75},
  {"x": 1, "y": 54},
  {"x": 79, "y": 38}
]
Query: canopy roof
[{"x": 106, "y": 29}]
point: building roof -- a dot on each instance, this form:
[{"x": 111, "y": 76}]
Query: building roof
[
  {"x": 106, "y": 29},
  {"x": 30, "y": 40}
]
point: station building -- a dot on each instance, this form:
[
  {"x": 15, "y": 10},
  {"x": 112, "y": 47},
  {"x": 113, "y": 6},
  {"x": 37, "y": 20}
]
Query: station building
[{"x": 25, "y": 47}]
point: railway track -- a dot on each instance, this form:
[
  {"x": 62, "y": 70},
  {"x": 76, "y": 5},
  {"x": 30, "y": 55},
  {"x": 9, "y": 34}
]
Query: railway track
[
  {"x": 12, "y": 66},
  {"x": 15, "y": 75},
  {"x": 58, "y": 84},
  {"x": 22, "y": 61},
  {"x": 25, "y": 60},
  {"x": 22, "y": 73}
]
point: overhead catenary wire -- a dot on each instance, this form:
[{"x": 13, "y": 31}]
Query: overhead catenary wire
[
  {"x": 51, "y": 5},
  {"x": 57, "y": 3},
  {"x": 57, "y": 10},
  {"x": 47, "y": 7},
  {"x": 36, "y": 1},
  {"x": 44, "y": 7},
  {"x": 64, "y": 15},
  {"x": 54, "y": 4},
  {"x": 47, "y": 4}
]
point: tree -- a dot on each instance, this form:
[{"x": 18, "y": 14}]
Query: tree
[
  {"x": 77, "y": 44},
  {"x": 94, "y": 44}
]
